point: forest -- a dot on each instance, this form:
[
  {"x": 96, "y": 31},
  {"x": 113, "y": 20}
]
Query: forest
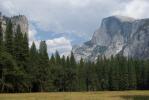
[{"x": 24, "y": 69}]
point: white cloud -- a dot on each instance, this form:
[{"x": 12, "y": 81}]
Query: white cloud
[
  {"x": 8, "y": 7},
  {"x": 61, "y": 44},
  {"x": 73, "y": 15},
  {"x": 58, "y": 41},
  {"x": 135, "y": 8},
  {"x": 77, "y": 16},
  {"x": 32, "y": 33},
  {"x": 63, "y": 15}
]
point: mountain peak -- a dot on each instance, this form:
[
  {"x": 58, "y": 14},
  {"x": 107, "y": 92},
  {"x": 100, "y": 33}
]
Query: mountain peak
[
  {"x": 117, "y": 35},
  {"x": 20, "y": 20},
  {"x": 121, "y": 18}
]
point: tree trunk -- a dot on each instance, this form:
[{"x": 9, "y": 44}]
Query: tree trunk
[{"x": 3, "y": 83}]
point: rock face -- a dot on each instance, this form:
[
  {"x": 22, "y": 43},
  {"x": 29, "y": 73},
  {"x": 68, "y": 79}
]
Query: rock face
[
  {"x": 117, "y": 35},
  {"x": 16, "y": 20}
]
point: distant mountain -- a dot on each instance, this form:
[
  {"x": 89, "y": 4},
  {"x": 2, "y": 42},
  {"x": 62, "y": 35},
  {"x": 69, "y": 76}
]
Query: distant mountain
[
  {"x": 117, "y": 35},
  {"x": 16, "y": 20}
]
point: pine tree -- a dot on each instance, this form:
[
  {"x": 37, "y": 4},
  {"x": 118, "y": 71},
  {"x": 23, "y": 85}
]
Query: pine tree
[
  {"x": 63, "y": 61},
  {"x": 114, "y": 74},
  {"x": 32, "y": 71},
  {"x": 72, "y": 73},
  {"x": 34, "y": 68},
  {"x": 1, "y": 38},
  {"x": 81, "y": 86},
  {"x": 33, "y": 51},
  {"x": 43, "y": 50},
  {"x": 52, "y": 60},
  {"x": 21, "y": 55},
  {"x": 25, "y": 60},
  {"x": 87, "y": 75},
  {"x": 18, "y": 46},
  {"x": 58, "y": 58},
  {"x": 139, "y": 69},
  {"x": 122, "y": 63},
  {"x": 25, "y": 47},
  {"x": 72, "y": 60},
  {"x": 99, "y": 69},
  {"x": 10, "y": 74},
  {"x": 93, "y": 77},
  {"x": 44, "y": 67},
  {"x": 132, "y": 74},
  {"x": 145, "y": 74},
  {"x": 105, "y": 72},
  {"x": 9, "y": 38}
]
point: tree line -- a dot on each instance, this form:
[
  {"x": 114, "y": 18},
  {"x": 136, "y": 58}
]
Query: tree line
[{"x": 24, "y": 69}]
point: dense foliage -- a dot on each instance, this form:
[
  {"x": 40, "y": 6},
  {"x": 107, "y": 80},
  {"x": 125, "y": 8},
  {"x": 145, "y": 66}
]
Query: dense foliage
[{"x": 24, "y": 69}]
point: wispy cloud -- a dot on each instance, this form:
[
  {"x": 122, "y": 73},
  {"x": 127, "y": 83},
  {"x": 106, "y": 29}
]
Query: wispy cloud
[
  {"x": 135, "y": 8},
  {"x": 63, "y": 15},
  {"x": 61, "y": 44},
  {"x": 78, "y": 17}
]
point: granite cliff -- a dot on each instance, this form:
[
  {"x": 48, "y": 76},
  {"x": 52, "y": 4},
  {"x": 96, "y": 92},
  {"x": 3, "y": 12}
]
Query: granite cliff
[
  {"x": 117, "y": 35},
  {"x": 16, "y": 20}
]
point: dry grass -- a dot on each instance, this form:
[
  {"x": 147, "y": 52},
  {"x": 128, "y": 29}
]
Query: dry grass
[{"x": 106, "y": 95}]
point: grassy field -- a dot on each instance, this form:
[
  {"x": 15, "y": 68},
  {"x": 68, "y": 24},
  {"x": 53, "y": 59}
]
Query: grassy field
[{"x": 106, "y": 95}]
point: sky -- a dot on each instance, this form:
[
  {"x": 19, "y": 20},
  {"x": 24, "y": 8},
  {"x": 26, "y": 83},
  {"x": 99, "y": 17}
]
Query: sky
[{"x": 64, "y": 23}]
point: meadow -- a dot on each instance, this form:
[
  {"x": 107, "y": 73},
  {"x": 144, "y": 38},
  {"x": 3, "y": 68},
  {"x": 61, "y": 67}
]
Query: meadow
[{"x": 103, "y": 95}]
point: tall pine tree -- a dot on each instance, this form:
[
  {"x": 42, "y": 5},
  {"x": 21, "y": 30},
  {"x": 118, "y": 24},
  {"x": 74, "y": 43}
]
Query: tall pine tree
[
  {"x": 44, "y": 68},
  {"x": 1, "y": 38},
  {"x": 9, "y": 37}
]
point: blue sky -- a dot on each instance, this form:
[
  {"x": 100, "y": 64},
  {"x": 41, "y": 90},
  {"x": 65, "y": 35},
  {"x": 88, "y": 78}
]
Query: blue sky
[{"x": 63, "y": 23}]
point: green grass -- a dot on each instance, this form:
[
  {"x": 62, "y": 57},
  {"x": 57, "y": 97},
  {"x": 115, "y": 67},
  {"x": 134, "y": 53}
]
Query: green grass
[{"x": 105, "y": 95}]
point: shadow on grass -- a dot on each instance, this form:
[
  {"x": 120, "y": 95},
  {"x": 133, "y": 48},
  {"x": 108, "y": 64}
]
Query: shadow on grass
[{"x": 137, "y": 97}]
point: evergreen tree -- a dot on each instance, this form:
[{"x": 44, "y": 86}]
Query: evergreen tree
[
  {"x": 32, "y": 71},
  {"x": 9, "y": 38},
  {"x": 122, "y": 63},
  {"x": 71, "y": 73},
  {"x": 52, "y": 60},
  {"x": 57, "y": 58},
  {"x": 99, "y": 69},
  {"x": 9, "y": 74},
  {"x": 104, "y": 70},
  {"x": 81, "y": 86},
  {"x": 63, "y": 61},
  {"x": 72, "y": 60},
  {"x": 139, "y": 68},
  {"x": 132, "y": 74},
  {"x": 18, "y": 46},
  {"x": 87, "y": 75},
  {"x": 44, "y": 68},
  {"x": 34, "y": 68},
  {"x": 25, "y": 47},
  {"x": 1, "y": 38},
  {"x": 33, "y": 51},
  {"x": 114, "y": 75},
  {"x": 145, "y": 75}
]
